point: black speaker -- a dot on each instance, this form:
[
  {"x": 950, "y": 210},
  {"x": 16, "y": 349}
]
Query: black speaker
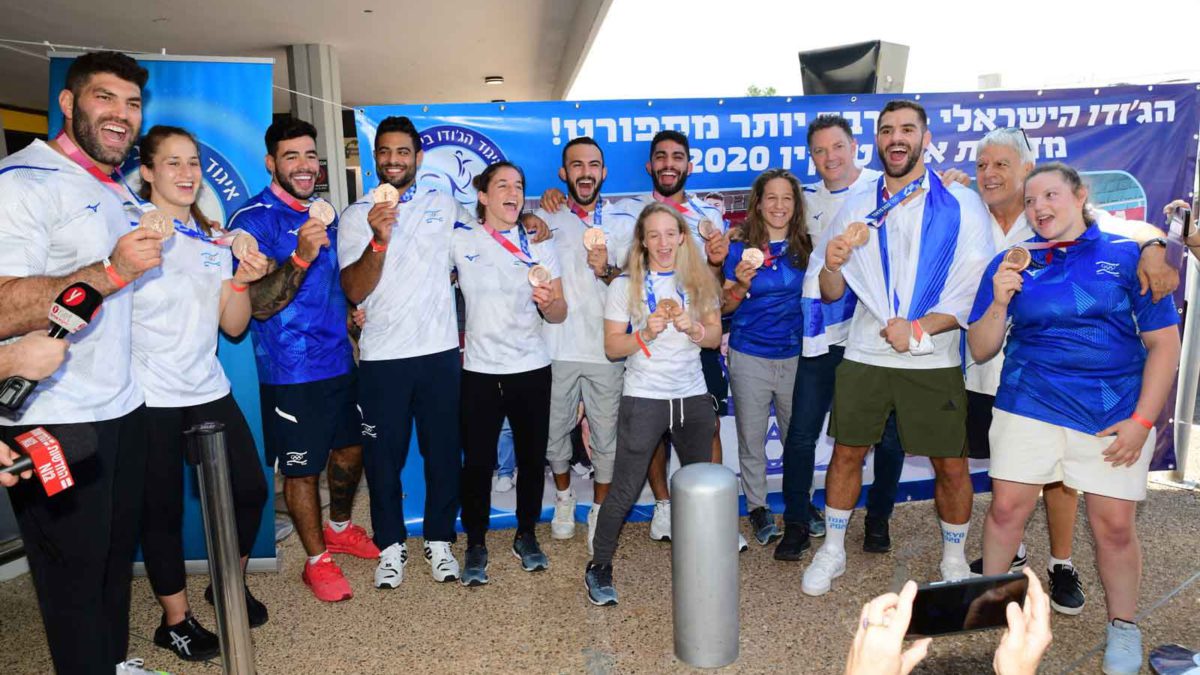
[{"x": 875, "y": 67}]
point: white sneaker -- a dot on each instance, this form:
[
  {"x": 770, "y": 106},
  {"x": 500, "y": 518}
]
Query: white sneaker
[
  {"x": 390, "y": 571},
  {"x": 955, "y": 569},
  {"x": 135, "y": 667},
  {"x": 442, "y": 563},
  {"x": 593, "y": 515},
  {"x": 503, "y": 483},
  {"x": 742, "y": 545},
  {"x": 660, "y": 524},
  {"x": 563, "y": 524},
  {"x": 827, "y": 565}
]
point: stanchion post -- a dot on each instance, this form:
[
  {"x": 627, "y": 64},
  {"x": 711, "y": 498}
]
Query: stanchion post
[
  {"x": 1189, "y": 371},
  {"x": 206, "y": 451},
  {"x": 704, "y": 564}
]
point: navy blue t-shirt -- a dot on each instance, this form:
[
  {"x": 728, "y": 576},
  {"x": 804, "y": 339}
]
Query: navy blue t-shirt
[
  {"x": 306, "y": 341},
  {"x": 1074, "y": 356},
  {"x": 769, "y": 322}
]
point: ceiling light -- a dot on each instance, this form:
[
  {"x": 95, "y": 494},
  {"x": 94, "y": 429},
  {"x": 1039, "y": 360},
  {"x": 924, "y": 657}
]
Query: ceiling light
[{"x": 493, "y": 79}]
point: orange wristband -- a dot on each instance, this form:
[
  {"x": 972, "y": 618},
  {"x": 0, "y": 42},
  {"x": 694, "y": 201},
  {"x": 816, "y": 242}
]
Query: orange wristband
[
  {"x": 300, "y": 262},
  {"x": 113, "y": 276},
  {"x": 378, "y": 248},
  {"x": 1141, "y": 420},
  {"x": 637, "y": 335},
  {"x": 237, "y": 289}
]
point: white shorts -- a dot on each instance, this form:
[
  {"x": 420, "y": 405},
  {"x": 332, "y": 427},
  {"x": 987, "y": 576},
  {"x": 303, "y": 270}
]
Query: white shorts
[{"x": 1025, "y": 450}]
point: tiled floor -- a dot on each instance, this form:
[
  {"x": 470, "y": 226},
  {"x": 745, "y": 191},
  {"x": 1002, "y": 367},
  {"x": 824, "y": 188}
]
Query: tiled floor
[{"x": 542, "y": 623}]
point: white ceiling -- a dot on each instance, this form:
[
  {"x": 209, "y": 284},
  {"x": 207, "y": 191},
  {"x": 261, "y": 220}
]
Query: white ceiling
[{"x": 403, "y": 51}]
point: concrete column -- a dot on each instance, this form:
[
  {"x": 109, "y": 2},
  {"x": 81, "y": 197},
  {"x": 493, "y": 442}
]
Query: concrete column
[{"x": 313, "y": 70}]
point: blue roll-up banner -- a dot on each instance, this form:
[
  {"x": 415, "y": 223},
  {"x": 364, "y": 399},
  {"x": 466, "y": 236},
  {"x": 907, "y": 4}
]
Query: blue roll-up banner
[
  {"x": 226, "y": 104},
  {"x": 1135, "y": 144}
]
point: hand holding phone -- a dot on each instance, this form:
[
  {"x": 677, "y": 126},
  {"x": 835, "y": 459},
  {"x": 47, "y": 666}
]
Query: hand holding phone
[{"x": 977, "y": 603}]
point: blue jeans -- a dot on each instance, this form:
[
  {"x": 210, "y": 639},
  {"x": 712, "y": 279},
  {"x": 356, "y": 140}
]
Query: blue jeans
[
  {"x": 811, "y": 399},
  {"x": 504, "y": 450}
]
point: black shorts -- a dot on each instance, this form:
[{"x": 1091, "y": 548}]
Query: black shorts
[
  {"x": 712, "y": 364},
  {"x": 979, "y": 422},
  {"x": 303, "y": 422}
]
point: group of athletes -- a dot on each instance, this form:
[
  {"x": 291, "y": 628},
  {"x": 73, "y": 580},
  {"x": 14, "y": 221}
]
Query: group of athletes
[{"x": 849, "y": 298}]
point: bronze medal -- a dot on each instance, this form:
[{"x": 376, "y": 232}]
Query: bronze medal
[
  {"x": 857, "y": 234},
  {"x": 707, "y": 229},
  {"x": 538, "y": 275},
  {"x": 593, "y": 237},
  {"x": 753, "y": 256},
  {"x": 244, "y": 244},
  {"x": 322, "y": 211},
  {"x": 670, "y": 308},
  {"x": 157, "y": 221},
  {"x": 385, "y": 193},
  {"x": 1019, "y": 256}
]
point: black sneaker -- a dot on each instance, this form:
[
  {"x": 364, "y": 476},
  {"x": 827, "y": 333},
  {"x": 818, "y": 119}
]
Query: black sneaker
[
  {"x": 1019, "y": 562},
  {"x": 256, "y": 612},
  {"x": 794, "y": 542},
  {"x": 1066, "y": 591},
  {"x": 876, "y": 538},
  {"x": 475, "y": 571},
  {"x": 188, "y": 639},
  {"x": 599, "y": 582},
  {"x": 763, "y": 524},
  {"x": 525, "y": 547}
]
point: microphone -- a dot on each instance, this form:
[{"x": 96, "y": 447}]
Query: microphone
[
  {"x": 72, "y": 310},
  {"x": 49, "y": 458}
]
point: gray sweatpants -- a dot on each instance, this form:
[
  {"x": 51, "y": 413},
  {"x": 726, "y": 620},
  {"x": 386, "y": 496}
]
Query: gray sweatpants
[
  {"x": 598, "y": 385},
  {"x": 641, "y": 423},
  {"x": 755, "y": 383}
]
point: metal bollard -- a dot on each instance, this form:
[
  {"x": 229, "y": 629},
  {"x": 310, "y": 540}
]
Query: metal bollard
[
  {"x": 704, "y": 564},
  {"x": 206, "y": 451},
  {"x": 1189, "y": 371}
]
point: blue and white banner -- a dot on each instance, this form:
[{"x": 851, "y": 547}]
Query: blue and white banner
[
  {"x": 226, "y": 104},
  {"x": 1136, "y": 145}
]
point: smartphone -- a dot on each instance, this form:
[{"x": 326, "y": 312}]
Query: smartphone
[
  {"x": 1180, "y": 225},
  {"x": 978, "y": 603}
]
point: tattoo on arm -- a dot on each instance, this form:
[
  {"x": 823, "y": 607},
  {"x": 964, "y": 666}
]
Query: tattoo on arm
[{"x": 273, "y": 292}]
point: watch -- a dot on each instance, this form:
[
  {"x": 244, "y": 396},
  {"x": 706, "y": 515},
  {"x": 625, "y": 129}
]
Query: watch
[{"x": 1157, "y": 241}]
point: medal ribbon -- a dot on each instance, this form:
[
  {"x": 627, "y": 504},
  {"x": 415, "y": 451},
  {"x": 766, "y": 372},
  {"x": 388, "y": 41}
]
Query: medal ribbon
[
  {"x": 651, "y": 300},
  {"x": 884, "y": 204},
  {"x": 681, "y": 208},
  {"x": 79, "y": 157},
  {"x": 582, "y": 214},
  {"x": 409, "y": 193},
  {"x": 522, "y": 253},
  {"x": 1048, "y": 247},
  {"x": 286, "y": 197},
  {"x": 769, "y": 259}
]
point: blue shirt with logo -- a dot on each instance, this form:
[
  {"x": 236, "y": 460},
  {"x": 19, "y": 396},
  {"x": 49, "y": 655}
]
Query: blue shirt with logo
[
  {"x": 770, "y": 320},
  {"x": 1074, "y": 356},
  {"x": 306, "y": 341}
]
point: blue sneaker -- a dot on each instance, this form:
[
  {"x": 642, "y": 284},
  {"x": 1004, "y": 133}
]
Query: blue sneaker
[
  {"x": 525, "y": 547},
  {"x": 1123, "y": 653},
  {"x": 763, "y": 524},
  {"x": 599, "y": 582},
  {"x": 475, "y": 571},
  {"x": 816, "y": 522}
]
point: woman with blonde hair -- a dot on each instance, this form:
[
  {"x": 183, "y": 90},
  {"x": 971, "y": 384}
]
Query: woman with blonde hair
[{"x": 659, "y": 314}]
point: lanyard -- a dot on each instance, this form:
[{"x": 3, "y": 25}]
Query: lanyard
[
  {"x": 682, "y": 208},
  {"x": 521, "y": 254},
  {"x": 581, "y": 213},
  {"x": 651, "y": 300},
  {"x": 881, "y": 210},
  {"x": 287, "y": 198},
  {"x": 768, "y": 259},
  {"x": 409, "y": 194},
  {"x": 76, "y": 155},
  {"x": 1049, "y": 246}
]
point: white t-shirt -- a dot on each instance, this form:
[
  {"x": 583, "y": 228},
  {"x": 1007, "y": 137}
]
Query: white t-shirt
[
  {"x": 624, "y": 220},
  {"x": 504, "y": 328},
  {"x": 984, "y": 378},
  {"x": 54, "y": 219},
  {"x": 176, "y": 316},
  {"x": 821, "y": 204},
  {"x": 411, "y": 311},
  {"x": 581, "y": 337},
  {"x": 973, "y": 251},
  {"x": 673, "y": 369}
]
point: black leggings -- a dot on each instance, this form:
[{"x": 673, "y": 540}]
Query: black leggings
[
  {"x": 162, "y": 519},
  {"x": 524, "y": 398}
]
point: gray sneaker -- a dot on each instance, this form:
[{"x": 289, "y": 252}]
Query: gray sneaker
[
  {"x": 763, "y": 524},
  {"x": 816, "y": 522},
  {"x": 475, "y": 572},
  {"x": 525, "y": 547},
  {"x": 1123, "y": 653},
  {"x": 599, "y": 582}
]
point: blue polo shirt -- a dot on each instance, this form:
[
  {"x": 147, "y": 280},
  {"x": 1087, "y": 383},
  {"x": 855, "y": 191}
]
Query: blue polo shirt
[
  {"x": 305, "y": 341},
  {"x": 770, "y": 320},
  {"x": 1074, "y": 357}
]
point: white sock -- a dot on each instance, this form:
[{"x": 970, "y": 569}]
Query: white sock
[
  {"x": 662, "y": 502},
  {"x": 339, "y": 526},
  {"x": 1021, "y": 550},
  {"x": 1055, "y": 561},
  {"x": 563, "y": 495},
  {"x": 954, "y": 541},
  {"x": 312, "y": 559},
  {"x": 836, "y": 522}
]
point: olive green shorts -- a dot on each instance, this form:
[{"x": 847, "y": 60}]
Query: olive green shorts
[{"x": 930, "y": 407}]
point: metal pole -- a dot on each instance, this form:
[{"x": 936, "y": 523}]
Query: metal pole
[
  {"x": 704, "y": 564},
  {"x": 206, "y": 451},
  {"x": 1189, "y": 370}
]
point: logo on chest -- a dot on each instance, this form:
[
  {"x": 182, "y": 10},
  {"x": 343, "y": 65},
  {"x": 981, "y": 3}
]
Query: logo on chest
[
  {"x": 1112, "y": 268},
  {"x": 211, "y": 259}
]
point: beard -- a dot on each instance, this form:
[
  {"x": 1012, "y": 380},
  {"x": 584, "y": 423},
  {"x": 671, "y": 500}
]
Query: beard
[
  {"x": 87, "y": 137},
  {"x": 667, "y": 192},
  {"x": 913, "y": 158},
  {"x": 578, "y": 200},
  {"x": 290, "y": 188},
  {"x": 404, "y": 180}
]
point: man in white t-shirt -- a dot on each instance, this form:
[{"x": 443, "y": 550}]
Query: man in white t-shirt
[
  {"x": 581, "y": 371},
  {"x": 915, "y": 278},
  {"x": 395, "y": 260},
  {"x": 64, "y": 218}
]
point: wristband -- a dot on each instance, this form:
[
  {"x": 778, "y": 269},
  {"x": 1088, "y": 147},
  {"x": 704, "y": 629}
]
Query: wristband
[
  {"x": 826, "y": 268},
  {"x": 1141, "y": 420},
  {"x": 1157, "y": 241},
  {"x": 300, "y": 262},
  {"x": 378, "y": 248},
  {"x": 919, "y": 342},
  {"x": 734, "y": 294},
  {"x": 113, "y": 276},
  {"x": 236, "y": 288},
  {"x": 637, "y": 335},
  {"x": 703, "y": 332}
]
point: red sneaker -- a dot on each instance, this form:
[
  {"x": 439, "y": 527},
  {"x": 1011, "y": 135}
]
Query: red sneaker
[
  {"x": 326, "y": 580},
  {"x": 352, "y": 540}
]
